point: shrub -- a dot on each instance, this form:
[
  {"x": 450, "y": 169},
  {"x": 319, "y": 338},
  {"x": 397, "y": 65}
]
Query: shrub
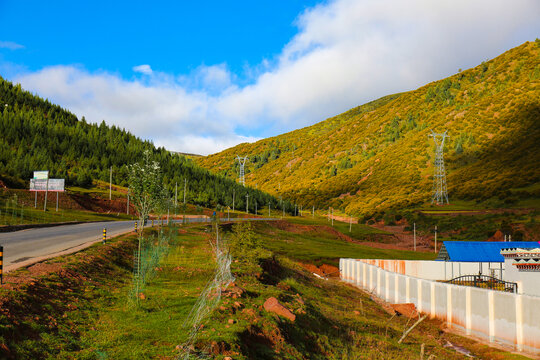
[{"x": 245, "y": 245}]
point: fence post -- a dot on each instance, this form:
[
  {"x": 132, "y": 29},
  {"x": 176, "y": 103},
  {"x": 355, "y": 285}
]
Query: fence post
[
  {"x": 420, "y": 306},
  {"x": 468, "y": 311},
  {"x": 519, "y": 322},
  {"x": 104, "y": 235},
  {"x": 491, "y": 314},
  {"x": 449, "y": 305},
  {"x": 396, "y": 288},
  {"x": 433, "y": 307}
]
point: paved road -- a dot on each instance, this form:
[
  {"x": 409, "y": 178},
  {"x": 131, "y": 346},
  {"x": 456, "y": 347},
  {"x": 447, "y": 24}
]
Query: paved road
[{"x": 24, "y": 247}]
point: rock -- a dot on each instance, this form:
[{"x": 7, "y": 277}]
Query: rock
[
  {"x": 234, "y": 292},
  {"x": 238, "y": 305},
  {"x": 407, "y": 310},
  {"x": 283, "y": 286},
  {"x": 273, "y": 305}
]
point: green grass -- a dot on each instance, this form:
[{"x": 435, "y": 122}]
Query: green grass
[
  {"x": 13, "y": 214},
  {"x": 84, "y": 314},
  {"x": 155, "y": 327},
  {"x": 323, "y": 247}
]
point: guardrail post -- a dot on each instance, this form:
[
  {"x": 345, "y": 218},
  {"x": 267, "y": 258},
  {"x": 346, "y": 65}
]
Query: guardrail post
[
  {"x": 1, "y": 264},
  {"x": 135, "y": 226},
  {"x": 104, "y": 235}
]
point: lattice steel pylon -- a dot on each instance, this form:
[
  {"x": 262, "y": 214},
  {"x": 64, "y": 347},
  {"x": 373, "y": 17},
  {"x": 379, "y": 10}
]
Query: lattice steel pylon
[
  {"x": 440, "y": 194},
  {"x": 242, "y": 162}
]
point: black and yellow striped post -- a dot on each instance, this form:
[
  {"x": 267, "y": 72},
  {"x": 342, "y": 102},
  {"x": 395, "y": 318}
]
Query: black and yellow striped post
[
  {"x": 1, "y": 264},
  {"x": 135, "y": 226},
  {"x": 104, "y": 236}
]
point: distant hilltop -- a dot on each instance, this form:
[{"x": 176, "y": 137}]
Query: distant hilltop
[{"x": 185, "y": 154}]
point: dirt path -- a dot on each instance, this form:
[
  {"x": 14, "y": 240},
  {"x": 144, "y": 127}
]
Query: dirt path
[
  {"x": 476, "y": 212},
  {"x": 405, "y": 239}
]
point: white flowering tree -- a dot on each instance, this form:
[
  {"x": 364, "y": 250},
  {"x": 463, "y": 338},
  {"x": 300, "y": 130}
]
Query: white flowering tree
[
  {"x": 146, "y": 186},
  {"x": 147, "y": 194}
]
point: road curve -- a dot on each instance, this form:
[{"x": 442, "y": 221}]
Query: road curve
[{"x": 25, "y": 247}]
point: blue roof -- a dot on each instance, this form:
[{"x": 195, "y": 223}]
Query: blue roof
[{"x": 479, "y": 251}]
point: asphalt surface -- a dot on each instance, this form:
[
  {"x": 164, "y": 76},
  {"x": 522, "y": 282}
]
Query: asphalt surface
[{"x": 26, "y": 246}]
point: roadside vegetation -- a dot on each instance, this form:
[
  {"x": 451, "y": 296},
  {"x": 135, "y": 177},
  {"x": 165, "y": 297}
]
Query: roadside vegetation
[{"x": 78, "y": 307}]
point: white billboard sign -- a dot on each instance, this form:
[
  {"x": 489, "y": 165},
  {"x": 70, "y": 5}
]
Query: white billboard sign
[
  {"x": 41, "y": 174},
  {"x": 41, "y": 185}
]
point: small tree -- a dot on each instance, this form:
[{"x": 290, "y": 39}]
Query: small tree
[
  {"x": 147, "y": 193},
  {"x": 146, "y": 186}
]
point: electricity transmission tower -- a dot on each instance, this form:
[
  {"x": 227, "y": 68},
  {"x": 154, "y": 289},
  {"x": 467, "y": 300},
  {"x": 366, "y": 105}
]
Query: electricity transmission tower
[
  {"x": 242, "y": 162},
  {"x": 440, "y": 193}
]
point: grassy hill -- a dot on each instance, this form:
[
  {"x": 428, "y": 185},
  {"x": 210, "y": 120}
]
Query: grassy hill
[{"x": 379, "y": 156}]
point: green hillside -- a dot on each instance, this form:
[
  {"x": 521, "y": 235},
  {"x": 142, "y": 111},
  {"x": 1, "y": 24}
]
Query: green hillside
[
  {"x": 38, "y": 135},
  {"x": 379, "y": 156}
]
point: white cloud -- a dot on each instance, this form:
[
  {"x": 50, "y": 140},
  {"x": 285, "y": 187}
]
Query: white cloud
[
  {"x": 10, "y": 45},
  {"x": 345, "y": 53},
  {"x": 143, "y": 69}
]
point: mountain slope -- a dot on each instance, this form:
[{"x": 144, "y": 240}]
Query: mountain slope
[
  {"x": 379, "y": 156},
  {"x": 38, "y": 135}
]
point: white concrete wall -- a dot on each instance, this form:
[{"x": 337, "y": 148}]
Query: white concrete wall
[
  {"x": 528, "y": 281},
  {"x": 497, "y": 316},
  {"x": 437, "y": 270}
]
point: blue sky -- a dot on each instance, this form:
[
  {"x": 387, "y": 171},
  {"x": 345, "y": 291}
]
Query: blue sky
[
  {"x": 174, "y": 37},
  {"x": 203, "y": 76}
]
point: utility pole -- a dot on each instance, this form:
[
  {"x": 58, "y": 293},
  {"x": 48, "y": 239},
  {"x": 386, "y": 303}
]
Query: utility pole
[
  {"x": 435, "y": 238},
  {"x": 127, "y": 209},
  {"x": 57, "y": 201},
  {"x": 256, "y": 213},
  {"x": 295, "y": 209},
  {"x": 110, "y": 184},
  {"x": 247, "y": 202},
  {"x": 175, "y": 198},
  {"x": 35, "y": 200},
  {"x": 350, "y": 223},
  {"x": 414, "y": 235},
  {"x": 233, "y": 200},
  {"x": 332, "y": 217},
  {"x": 268, "y": 209},
  {"x": 185, "y": 186},
  {"x": 46, "y": 192}
]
